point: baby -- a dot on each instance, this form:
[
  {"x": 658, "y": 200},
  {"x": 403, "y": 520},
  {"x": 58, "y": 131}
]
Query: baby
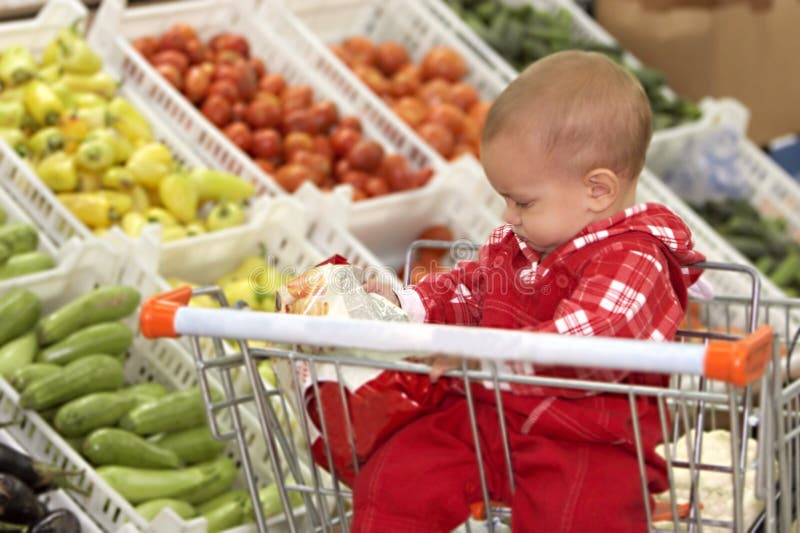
[{"x": 563, "y": 145}]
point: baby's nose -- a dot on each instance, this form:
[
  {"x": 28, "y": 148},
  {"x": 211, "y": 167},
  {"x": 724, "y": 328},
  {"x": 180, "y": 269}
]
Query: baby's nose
[{"x": 511, "y": 215}]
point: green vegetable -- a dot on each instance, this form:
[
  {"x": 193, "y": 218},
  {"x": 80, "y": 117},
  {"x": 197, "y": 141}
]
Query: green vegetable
[
  {"x": 103, "y": 304},
  {"x": 26, "y": 263},
  {"x": 178, "y": 410},
  {"x": 105, "y": 337},
  {"x": 17, "y": 65},
  {"x": 193, "y": 445},
  {"x": 112, "y": 446},
  {"x": 19, "y": 237},
  {"x": 150, "y": 509},
  {"x": 19, "y": 311},
  {"x": 92, "y": 373},
  {"x": 93, "y": 411},
  {"x": 17, "y": 353},
  {"x": 225, "y": 511},
  {"x": 21, "y": 377}
]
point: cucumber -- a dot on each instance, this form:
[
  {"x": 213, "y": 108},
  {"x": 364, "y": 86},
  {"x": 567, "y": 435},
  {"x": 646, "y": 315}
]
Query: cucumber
[
  {"x": 144, "y": 392},
  {"x": 178, "y": 410},
  {"x": 26, "y": 263},
  {"x": 103, "y": 304},
  {"x": 18, "y": 353},
  {"x": 93, "y": 411},
  {"x": 225, "y": 511},
  {"x": 24, "y": 376},
  {"x": 193, "y": 445},
  {"x": 150, "y": 509},
  {"x": 112, "y": 446},
  {"x": 19, "y": 311},
  {"x": 139, "y": 485},
  {"x": 271, "y": 499},
  {"x": 91, "y": 373},
  {"x": 216, "y": 485},
  {"x": 105, "y": 337},
  {"x": 19, "y": 237}
]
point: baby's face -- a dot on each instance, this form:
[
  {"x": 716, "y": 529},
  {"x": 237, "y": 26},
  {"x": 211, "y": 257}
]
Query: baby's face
[{"x": 546, "y": 202}]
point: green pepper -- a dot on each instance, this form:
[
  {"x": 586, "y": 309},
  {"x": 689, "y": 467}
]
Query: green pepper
[
  {"x": 42, "y": 103},
  {"x": 16, "y": 140},
  {"x": 17, "y": 65},
  {"x": 46, "y": 141},
  {"x": 71, "y": 52},
  {"x": 11, "y": 114},
  {"x": 95, "y": 154}
]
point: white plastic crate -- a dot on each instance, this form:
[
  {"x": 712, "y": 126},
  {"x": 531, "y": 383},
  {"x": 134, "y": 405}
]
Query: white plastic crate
[
  {"x": 165, "y": 361},
  {"x": 297, "y": 60},
  {"x": 17, "y": 175},
  {"x": 451, "y": 201},
  {"x": 670, "y": 140}
]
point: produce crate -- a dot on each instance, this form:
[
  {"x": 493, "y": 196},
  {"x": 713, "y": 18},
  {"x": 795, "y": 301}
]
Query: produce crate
[
  {"x": 58, "y": 498},
  {"x": 452, "y": 201},
  {"x": 672, "y": 140},
  {"x": 115, "y": 27},
  {"x": 19, "y": 178},
  {"x": 167, "y": 362}
]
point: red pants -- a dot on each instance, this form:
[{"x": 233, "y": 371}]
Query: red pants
[{"x": 574, "y": 464}]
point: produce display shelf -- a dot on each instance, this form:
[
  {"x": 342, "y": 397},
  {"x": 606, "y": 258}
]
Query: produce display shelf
[
  {"x": 115, "y": 26},
  {"x": 110, "y": 261},
  {"x": 19, "y": 179}
]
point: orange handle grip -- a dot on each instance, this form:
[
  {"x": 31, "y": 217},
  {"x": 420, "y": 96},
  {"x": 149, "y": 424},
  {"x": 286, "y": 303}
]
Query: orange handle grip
[
  {"x": 157, "y": 317},
  {"x": 739, "y": 362}
]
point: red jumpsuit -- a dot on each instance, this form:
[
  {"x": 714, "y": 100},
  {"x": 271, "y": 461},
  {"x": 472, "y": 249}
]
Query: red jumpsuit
[{"x": 573, "y": 457}]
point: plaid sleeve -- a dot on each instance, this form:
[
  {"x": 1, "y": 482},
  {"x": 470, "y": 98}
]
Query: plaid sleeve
[
  {"x": 622, "y": 293},
  {"x": 454, "y": 297}
]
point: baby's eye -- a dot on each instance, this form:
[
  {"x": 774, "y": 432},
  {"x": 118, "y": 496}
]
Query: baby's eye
[{"x": 522, "y": 205}]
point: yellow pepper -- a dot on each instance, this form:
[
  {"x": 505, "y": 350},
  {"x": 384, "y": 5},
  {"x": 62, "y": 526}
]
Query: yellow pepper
[
  {"x": 217, "y": 185},
  {"x": 178, "y": 193},
  {"x": 225, "y": 215},
  {"x": 42, "y": 103},
  {"x": 91, "y": 208},
  {"x": 149, "y": 164},
  {"x": 58, "y": 172}
]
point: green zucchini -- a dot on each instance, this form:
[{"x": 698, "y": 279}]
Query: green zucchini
[
  {"x": 105, "y": 337},
  {"x": 19, "y": 311},
  {"x": 21, "y": 377},
  {"x": 26, "y": 263},
  {"x": 787, "y": 270},
  {"x": 193, "y": 445},
  {"x": 139, "y": 485},
  {"x": 19, "y": 237},
  {"x": 103, "y": 304},
  {"x": 271, "y": 500},
  {"x": 91, "y": 373},
  {"x": 178, "y": 410},
  {"x": 150, "y": 509},
  {"x": 18, "y": 353},
  {"x": 144, "y": 392},
  {"x": 5, "y": 253},
  {"x": 112, "y": 446},
  {"x": 93, "y": 411},
  {"x": 225, "y": 511},
  {"x": 220, "y": 483}
]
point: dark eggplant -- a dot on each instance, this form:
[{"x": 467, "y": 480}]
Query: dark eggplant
[
  {"x": 38, "y": 476},
  {"x": 57, "y": 521},
  {"x": 18, "y": 503}
]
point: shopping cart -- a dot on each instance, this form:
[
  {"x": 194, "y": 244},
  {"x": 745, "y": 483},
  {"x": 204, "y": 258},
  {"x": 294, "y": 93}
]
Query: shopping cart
[{"x": 719, "y": 380}]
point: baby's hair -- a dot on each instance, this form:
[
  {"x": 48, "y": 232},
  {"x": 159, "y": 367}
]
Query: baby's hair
[{"x": 582, "y": 106}]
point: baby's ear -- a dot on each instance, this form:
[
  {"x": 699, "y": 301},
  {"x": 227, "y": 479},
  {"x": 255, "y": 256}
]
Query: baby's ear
[{"x": 602, "y": 188}]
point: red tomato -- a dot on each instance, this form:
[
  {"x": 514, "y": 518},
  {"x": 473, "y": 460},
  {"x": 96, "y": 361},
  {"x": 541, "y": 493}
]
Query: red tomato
[
  {"x": 147, "y": 46},
  {"x": 323, "y": 115},
  {"x": 376, "y": 186},
  {"x": 438, "y": 137},
  {"x": 225, "y": 88},
  {"x": 435, "y": 92},
  {"x": 478, "y": 112},
  {"x": 373, "y": 78},
  {"x": 355, "y": 178},
  {"x": 295, "y": 141},
  {"x": 391, "y": 56},
  {"x": 267, "y": 144},
  {"x": 317, "y": 164},
  {"x": 443, "y": 62},
  {"x": 341, "y": 168},
  {"x": 343, "y": 140},
  {"x": 257, "y": 64},
  {"x": 197, "y": 82},
  {"x": 397, "y": 172},
  {"x": 322, "y": 145},
  {"x": 365, "y": 155},
  {"x": 291, "y": 176},
  {"x": 449, "y": 116},
  {"x": 359, "y": 195},
  {"x": 406, "y": 81},
  {"x": 297, "y": 97},
  {"x": 360, "y": 50},
  {"x": 272, "y": 82},
  {"x": 238, "y": 111},
  {"x": 411, "y": 110},
  {"x": 263, "y": 113},
  {"x": 217, "y": 109},
  {"x": 240, "y": 134},
  {"x": 297, "y": 120},
  {"x": 231, "y": 41},
  {"x": 197, "y": 52},
  {"x": 463, "y": 95},
  {"x": 171, "y": 73},
  {"x": 265, "y": 165},
  {"x": 354, "y": 123}
]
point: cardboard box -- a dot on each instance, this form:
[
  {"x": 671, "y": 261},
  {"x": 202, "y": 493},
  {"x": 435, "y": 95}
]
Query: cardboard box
[{"x": 745, "y": 49}]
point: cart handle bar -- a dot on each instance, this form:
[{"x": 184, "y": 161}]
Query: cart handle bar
[{"x": 737, "y": 362}]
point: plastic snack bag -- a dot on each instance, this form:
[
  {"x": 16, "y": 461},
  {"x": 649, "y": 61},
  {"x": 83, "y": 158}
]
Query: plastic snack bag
[{"x": 374, "y": 403}]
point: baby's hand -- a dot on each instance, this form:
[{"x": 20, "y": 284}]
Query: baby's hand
[
  {"x": 382, "y": 288},
  {"x": 441, "y": 364}
]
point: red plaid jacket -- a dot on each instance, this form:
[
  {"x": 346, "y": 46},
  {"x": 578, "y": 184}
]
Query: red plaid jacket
[{"x": 621, "y": 277}]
